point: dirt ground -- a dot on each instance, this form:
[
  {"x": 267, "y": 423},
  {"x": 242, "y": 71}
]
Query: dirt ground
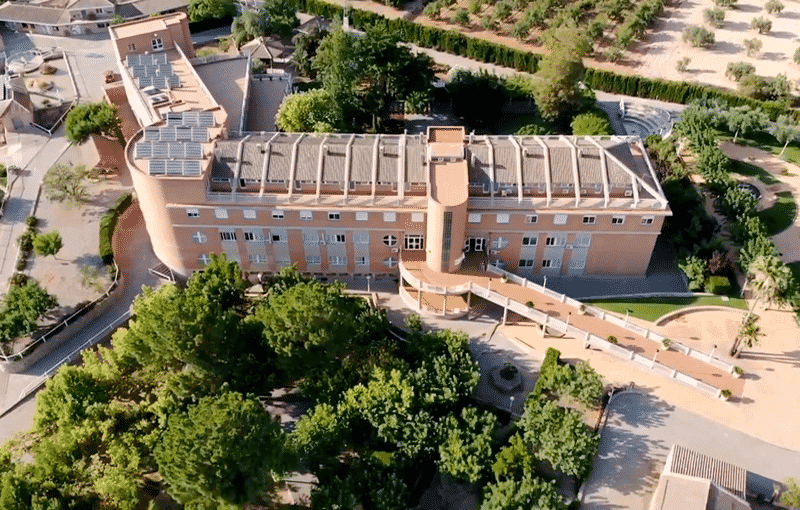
[{"x": 658, "y": 55}]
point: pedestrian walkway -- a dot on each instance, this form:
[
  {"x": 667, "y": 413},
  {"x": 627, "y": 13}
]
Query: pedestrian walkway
[{"x": 556, "y": 312}]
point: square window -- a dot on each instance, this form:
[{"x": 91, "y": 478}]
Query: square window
[
  {"x": 551, "y": 241},
  {"x": 547, "y": 263},
  {"x": 227, "y": 235},
  {"x": 530, "y": 240},
  {"x": 250, "y": 236},
  {"x": 390, "y": 262},
  {"x": 526, "y": 263},
  {"x": 531, "y": 218},
  {"x": 360, "y": 237},
  {"x": 220, "y": 213},
  {"x": 417, "y": 217},
  {"x": 337, "y": 260},
  {"x": 389, "y": 217},
  {"x": 336, "y": 238},
  {"x": 312, "y": 260},
  {"x": 277, "y": 214},
  {"x": 474, "y": 218},
  {"x": 334, "y": 216},
  {"x": 647, "y": 220},
  {"x": 361, "y": 261},
  {"x": 362, "y": 215},
  {"x": 204, "y": 258},
  {"x": 277, "y": 238},
  {"x": 306, "y": 215},
  {"x": 158, "y": 44},
  {"x": 414, "y": 242},
  {"x": 249, "y": 214},
  {"x": 193, "y": 213},
  {"x": 560, "y": 219},
  {"x": 258, "y": 259},
  {"x": 499, "y": 243},
  {"x": 503, "y": 218},
  {"x": 131, "y": 47},
  {"x": 617, "y": 220},
  {"x": 589, "y": 220}
]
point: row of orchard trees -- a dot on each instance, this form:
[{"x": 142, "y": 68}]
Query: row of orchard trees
[{"x": 173, "y": 403}]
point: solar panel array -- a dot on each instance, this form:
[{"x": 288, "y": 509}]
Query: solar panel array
[
  {"x": 148, "y": 150},
  {"x": 176, "y": 134},
  {"x": 193, "y": 119},
  {"x": 152, "y": 70},
  {"x": 188, "y": 167}
]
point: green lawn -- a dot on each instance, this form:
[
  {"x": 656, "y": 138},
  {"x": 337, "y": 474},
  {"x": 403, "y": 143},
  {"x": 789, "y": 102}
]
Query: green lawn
[
  {"x": 781, "y": 215},
  {"x": 510, "y": 123},
  {"x": 742, "y": 168},
  {"x": 650, "y": 309},
  {"x": 770, "y": 144}
]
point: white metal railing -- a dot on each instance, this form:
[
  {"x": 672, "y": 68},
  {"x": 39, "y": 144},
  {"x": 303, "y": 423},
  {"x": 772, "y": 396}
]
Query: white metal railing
[
  {"x": 302, "y": 199},
  {"x": 36, "y": 383}
]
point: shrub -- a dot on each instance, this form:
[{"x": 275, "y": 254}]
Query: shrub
[
  {"x": 107, "y": 224},
  {"x": 22, "y": 263},
  {"x": 752, "y": 46},
  {"x": 714, "y": 17},
  {"x": 31, "y": 221},
  {"x": 489, "y": 23},
  {"x": 726, "y": 394},
  {"x": 666, "y": 343},
  {"x": 695, "y": 270},
  {"x": 529, "y": 304},
  {"x": 761, "y": 24},
  {"x": 774, "y": 6},
  {"x": 796, "y": 57},
  {"x": 612, "y": 339},
  {"x": 258, "y": 66},
  {"x": 549, "y": 364},
  {"x": 683, "y": 64},
  {"x": 698, "y": 36},
  {"x": 461, "y": 17},
  {"x": 614, "y": 54},
  {"x": 725, "y": 4},
  {"x": 225, "y": 43},
  {"x": 474, "y": 6},
  {"x": 719, "y": 285},
  {"x": 736, "y": 70},
  {"x": 18, "y": 279},
  {"x": 433, "y": 10},
  {"x": 591, "y": 124},
  {"x": 25, "y": 241}
]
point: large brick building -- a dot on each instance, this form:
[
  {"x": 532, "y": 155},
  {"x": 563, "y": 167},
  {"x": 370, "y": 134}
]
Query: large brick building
[{"x": 359, "y": 204}]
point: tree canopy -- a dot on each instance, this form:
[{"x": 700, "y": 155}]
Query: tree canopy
[
  {"x": 48, "y": 244},
  {"x": 22, "y": 308},
  {"x": 274, "y": 17},
  {"x": 591, "y": 124},
  {"x": 557, "y": 91},
  {"x": 200, "y": 10},
  {"x": 93, "y": 118},
  {"x": 312, "y": 111}
]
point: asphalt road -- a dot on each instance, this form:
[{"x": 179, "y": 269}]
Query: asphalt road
[{"x": 637, "y": 437}]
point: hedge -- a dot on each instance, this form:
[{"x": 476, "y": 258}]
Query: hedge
[
  {"x": 107, "y": 224},
  {"x": 492, "y": 53},
  {"x": 546, "y": 371}
]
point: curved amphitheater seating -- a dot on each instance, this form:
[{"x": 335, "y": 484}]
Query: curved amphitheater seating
[{"x": 644, "y": 120}]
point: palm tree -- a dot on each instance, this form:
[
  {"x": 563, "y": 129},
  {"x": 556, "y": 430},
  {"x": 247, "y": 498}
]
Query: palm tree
[
  {"x": 748, "y": 336},
  {"x": 770, "y": 279}
]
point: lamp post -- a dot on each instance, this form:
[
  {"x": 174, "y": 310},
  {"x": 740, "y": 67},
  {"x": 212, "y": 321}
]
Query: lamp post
[
  {"x": 627, "y": 313},
  {"x": 654, "y": 357},
  {"x": 544, "y": 285},
  {"x": 369, "y": 277},
  {"x": 711, "y": 356},
  {"x": 511, "y": 405}
]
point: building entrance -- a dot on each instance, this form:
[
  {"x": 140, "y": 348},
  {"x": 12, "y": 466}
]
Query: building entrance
[{"x": 475, "y": 244}]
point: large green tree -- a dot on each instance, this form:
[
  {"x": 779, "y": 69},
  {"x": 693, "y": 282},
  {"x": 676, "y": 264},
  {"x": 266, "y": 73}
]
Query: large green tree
[
  {"x": 63, "y": 183},
  {"x": 312, "y": 111},
  {"x": 591, "y": 124},
  {"x": 530, "y": 492},
  {"x": 93, "y": 118},
  {"x": 305, "y": 49},
  {"x": 22, "y": 308},
  {"x": 274, "y": 17},
  {"x": 48, "y": 244},
  {"x": 201, "y": 10},
  {"x": 466, "y": 452},
  {"x": 786, "y": 130},
  {"x": 225, "y": 451},
  {"x": 744, "y": 119},
  {"x": 558, "y": 89}
]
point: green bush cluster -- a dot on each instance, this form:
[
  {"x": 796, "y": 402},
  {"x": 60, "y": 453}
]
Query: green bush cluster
[
  {"x": 582, "y": 383},
  {"x": 25, "y": 241},
  {"x": 719, "y": 285},
  {"x": 107, "y": 224}
]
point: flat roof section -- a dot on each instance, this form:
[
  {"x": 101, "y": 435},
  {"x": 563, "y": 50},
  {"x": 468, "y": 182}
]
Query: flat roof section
[
  {"x": 228, "y": 92},
  {"x": 449, "y": 183}
]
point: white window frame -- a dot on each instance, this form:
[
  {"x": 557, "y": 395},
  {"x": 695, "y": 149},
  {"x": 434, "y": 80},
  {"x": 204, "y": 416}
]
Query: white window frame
[
  {"x": 560, "y": 219},
  {"x": 390, "y": 240},
  {"x": 530, "y": 240},
  {"x": 503, "y": 218},
  {"x": 257, "y": 258},
  {"x": 526, "y": 262},
  {"x": 313, "y": 260},
  {"x": 362, "y": 261},
  {"x": 252, "y": 236},
  {"x": 336, "y": 238},
  {"x": 277, "y": 238},
  {"x": 547, "y": 263},
  {"x": 227, "y": 235},
  {"x": 551, "y": 241},
  {"x": 589, "y": 220},
  {"x": 157, "y": 43},
  {"x": 582, "y": 241},
  {"x": 531, "y": 218},
  {"x": 417, "y": 217},
  {"x": 499, "y": 243},
  {"x": 334, "y": 216},
  {"x": 648, "y": 220},
  {"x": 199, "y": 237},
  {"x": 390, "y": 262},
  {"x": 362, "y": 216},
  {"x": 360, "y": 237},
  {"x": 193, "y": 212},
  {"x": 474, "y": 218},
  {"x": 618, "y": 220},
  {"x": 131, "y": 47},
  {"x": 389, "y": 217},
  {"x": 337, "y": 260},
  {"x": 204, "y": 258},
  {"x": 277, "y": 214},
  {"x": 221, "y": 213},
  {"x": 306, "y": 215},
  {"x": 414, "y": 242},
  {"x": 249, "y": 214}
]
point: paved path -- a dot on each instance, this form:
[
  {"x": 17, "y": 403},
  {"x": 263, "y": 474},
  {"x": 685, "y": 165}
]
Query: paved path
[
  {"x": 636, "y": 440},
  {"x": 134, "y": 256},
  {"x": 564, "y": 312}
]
